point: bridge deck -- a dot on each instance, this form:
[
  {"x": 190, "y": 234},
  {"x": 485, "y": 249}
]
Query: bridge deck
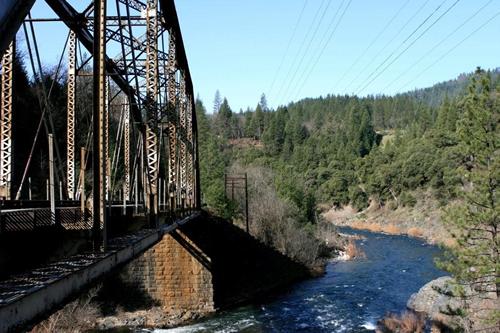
[{"x": 27, "y": 296}]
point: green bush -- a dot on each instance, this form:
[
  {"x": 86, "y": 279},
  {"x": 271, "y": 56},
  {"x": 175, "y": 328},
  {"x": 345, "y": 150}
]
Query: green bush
[
  {"x": 359, "y": 198},
  {"x": 407, "y": 199}
]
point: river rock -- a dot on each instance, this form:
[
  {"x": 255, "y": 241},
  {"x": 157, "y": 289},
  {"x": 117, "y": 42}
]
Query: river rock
[{"x": 436, "y": 301}]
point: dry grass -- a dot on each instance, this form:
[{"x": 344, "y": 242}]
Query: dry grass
[
  {"x": 391, "y": 229},
  {"x": 77, "y": 316},
  {"x": 361, "y": 225},
  {"x": 415, "y": 232},
  {"x": 407, "y": 322},
  {"x": 422, "y": 221}
]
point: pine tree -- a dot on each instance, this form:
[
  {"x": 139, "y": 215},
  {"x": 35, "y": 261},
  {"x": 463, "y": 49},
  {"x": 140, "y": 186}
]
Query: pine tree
[
  {"x": 217, "y": 102},
  {"x": 224, "y": 122},
  {"x": 475, "y": 261},
  {"x": 258, "y": 122}
]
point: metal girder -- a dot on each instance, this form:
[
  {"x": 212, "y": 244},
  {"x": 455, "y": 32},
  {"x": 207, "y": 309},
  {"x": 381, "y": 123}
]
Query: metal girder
[
  {"x": 137, "y": 5},
  {"x": 182, "y": 142},
  {"x": 126, "y": 151},
  {"x": 6, "y": 122},
  {"x": 99, "y": 126},
  {"x": 171, "y": 22},
  {"x": 12, "y": 14},
  {"x": 74, "y": 21},
  {"x": 151, "y": 135},
  {"x": 106, "y": 138},
  {"x": 172, "y": 121},
  {"x": 190, "y": 157},
  {"x": 70, "y": 162}
]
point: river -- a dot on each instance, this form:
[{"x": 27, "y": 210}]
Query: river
[{"x": 350, "y": 297}]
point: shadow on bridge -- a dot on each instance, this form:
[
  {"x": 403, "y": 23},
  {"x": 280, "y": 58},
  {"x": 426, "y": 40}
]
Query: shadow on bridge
[{"x": 49, "y": 266}]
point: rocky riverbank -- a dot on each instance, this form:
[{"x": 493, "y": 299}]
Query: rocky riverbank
[
  {"x": 440, "y": 302},
  {"x": 422, "y": 221}
]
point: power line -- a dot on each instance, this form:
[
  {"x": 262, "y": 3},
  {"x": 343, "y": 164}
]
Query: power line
[
  {"x": 372, "y": 43},
  {"x": 309, "y": 30},
  {"x": 387, "y": 44},
  {"x": 308, "y": 47},
  {"x": 461, "y": 25},
  {"x": 324, "y": 46},
  {"x": 452, "y": 49},
  {"x": 402, "y": 43},
  {"x": 325, "y": 35},
  {"x": 411, "y": 44},
  {"x": 288, "y": 46}
]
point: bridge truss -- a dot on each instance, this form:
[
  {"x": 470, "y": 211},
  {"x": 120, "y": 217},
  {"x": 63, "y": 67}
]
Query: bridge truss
[{"x": 132, "y": 53}]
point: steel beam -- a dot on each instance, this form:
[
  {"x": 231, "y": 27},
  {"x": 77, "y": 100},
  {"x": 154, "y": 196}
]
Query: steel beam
[
  {"x": 99, "y": 126},
  {"x": 6, "y": 122},
  {"x": 126, "y": 151},
  {"x": 190, "y": 157},
  {"x": 70, "y": 162},
  {"x": 182, "y": 142},
  {"x": 12, "y": 14},
  {"x": 75, "y": 21},
  {"x": 172, "y": 121},
  {"x": 151, "y": 135}
]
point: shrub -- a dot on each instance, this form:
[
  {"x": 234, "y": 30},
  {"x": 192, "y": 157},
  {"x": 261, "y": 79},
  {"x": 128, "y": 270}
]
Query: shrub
[
  {"x": 407, "y": 199},
  {"x": 407, "y": 322},
  {"x": 359, "y": 198}
]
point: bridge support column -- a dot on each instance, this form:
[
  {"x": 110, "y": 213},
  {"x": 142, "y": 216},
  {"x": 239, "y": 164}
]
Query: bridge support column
[
  {"x": 70, "y": 164},
  {"x": 6, "y": 123},
  {"x": 99, "y": 128},
  {"x": 175, "y": 273}
]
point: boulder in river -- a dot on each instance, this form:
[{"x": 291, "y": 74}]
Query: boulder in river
[
  {"x": 439, "y": 301},
  {"x": 436, "y": 300}
]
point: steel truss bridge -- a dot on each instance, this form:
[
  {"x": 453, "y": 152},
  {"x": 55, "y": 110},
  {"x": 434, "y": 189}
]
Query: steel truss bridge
[{"x": 131, "y": 56}]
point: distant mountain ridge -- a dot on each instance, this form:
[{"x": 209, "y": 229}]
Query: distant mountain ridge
[{"x": 434, "y": 96}]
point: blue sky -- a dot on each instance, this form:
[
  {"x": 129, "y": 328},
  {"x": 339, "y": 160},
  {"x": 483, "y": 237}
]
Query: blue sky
[{"x": 237, "y": 47}]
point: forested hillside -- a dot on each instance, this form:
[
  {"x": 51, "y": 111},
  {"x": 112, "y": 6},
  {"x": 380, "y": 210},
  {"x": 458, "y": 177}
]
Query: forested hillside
[
  {"x": 340, "y": 150},
  {"x": 387, "y": 154}
]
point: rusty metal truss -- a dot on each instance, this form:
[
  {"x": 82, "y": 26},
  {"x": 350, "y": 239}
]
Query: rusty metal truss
[
  {"x": 126, "y": 152},
  {"x": 70, "y": 160},
  {"x": 6, "y": 122},
  {"x": 134, "y": 52}
]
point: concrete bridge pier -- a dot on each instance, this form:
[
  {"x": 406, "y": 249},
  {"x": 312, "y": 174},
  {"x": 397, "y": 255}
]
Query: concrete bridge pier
[{"x": 203, "y": 266}]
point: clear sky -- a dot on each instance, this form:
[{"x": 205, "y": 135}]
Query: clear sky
[
  {"x": 246, "y": 48},
  {"x": 238, "y": 46}
]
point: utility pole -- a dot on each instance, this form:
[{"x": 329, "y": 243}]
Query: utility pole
[{"x": 241, "y": 183}]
